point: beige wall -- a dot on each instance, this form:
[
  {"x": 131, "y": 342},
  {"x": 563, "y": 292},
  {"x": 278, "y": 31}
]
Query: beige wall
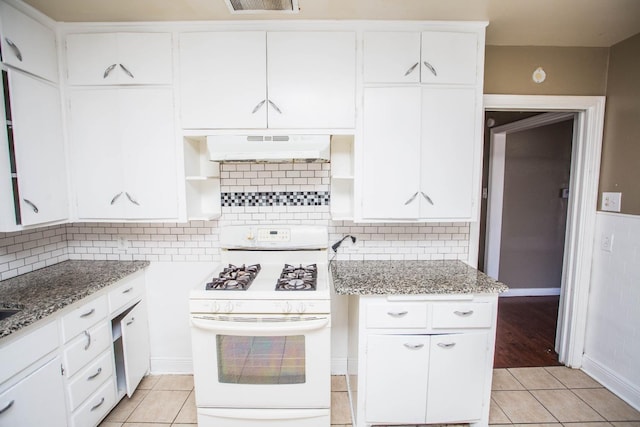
[
  {"x": 620, "y": 170},
  {"x": 570, "y": 70}
]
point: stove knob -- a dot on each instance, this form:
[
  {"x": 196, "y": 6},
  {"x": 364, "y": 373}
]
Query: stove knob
[
  {"x": 250, "y": 236},
  {"x": 302, "y": 308},
  {"x": 287, "y": 307},
  {"x": 215, "y": 307},
  {"x": 229, "y": 307}
]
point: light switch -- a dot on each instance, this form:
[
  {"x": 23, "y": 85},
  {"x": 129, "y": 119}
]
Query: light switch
[
  {"x": 611, "y": 202},
  {"x": 606, "y": 244}
]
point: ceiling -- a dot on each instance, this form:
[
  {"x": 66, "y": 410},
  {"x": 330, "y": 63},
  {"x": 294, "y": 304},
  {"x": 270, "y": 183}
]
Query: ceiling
[{"x": 594, "y": 23}]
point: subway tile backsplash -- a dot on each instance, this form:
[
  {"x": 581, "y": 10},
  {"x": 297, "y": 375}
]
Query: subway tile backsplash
[{"x": 253, "y": 193}]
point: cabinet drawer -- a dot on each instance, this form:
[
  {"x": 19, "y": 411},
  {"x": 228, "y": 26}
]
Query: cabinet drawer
[
  {"x": 129, "y": 290},
  {"x": 87, "y": 347},
  {"x": 96, "y": 407},
  {"x": 83, "y": 317},
  {"x": 397, "y": 315},
  {"x": 89, "y": 379},
  {"x": 462, "y": 315}
]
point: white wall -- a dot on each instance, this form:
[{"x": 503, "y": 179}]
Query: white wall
[{"x": 612, "y": 348}]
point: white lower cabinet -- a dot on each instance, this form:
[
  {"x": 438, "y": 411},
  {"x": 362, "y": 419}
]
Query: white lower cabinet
[
  {"x": 131, "y": 348},
  {"x": 96, "y": 407}
]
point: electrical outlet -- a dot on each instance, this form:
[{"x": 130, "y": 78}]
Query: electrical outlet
[
  {"x": 611, "y": 202},
  {"x": 606, "y": 244}
]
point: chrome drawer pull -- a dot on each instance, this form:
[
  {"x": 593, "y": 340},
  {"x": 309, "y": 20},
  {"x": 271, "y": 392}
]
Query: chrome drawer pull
[
  {"x": 446, "y": 345},
  {"x": 410, "y": 70},
  {"x": 463, "y": 313},
  {"x": 411, "y": 199},
  {"x": 133, "y": 319},
  {"x": 275, "y": 107},
  {"x": 126, "y": 291},
  {"x": 131, "y": 199},
  {"x": 88, "y": 313},
  {"x": 116, "y": 197},
  {"x": 108, "y": 70},
  {"x": 90, "y": 377},
  {"x": 32, "y": 205},
  {"x": 88, "y": 335},
  {"x": 126, "y": 71},
  {"x": 98, "y": 405},
  {"x": 413, "y": 346},
  {"x": 7, "y": 407},
  {"x": 15, "y": 48},
  {"x": 430, "y": 67},
  {"x": 257, "y": 107},
  {"x": 397, "y": 313}
]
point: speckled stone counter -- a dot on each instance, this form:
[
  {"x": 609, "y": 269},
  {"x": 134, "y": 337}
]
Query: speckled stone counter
[
  {"x": 410, "y": 278},
  {"x": 43, "y": 292}
]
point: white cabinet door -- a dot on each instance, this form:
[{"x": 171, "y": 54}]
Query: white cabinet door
[
  {"x": 135, "y": 345},
  {"x": 37, "y": 400},
  {"x": 396, "y": 378},
  {"x": 449, "y": 57},
  {"x": 449, "y": 144},
  {"x": 457, "y": 377},
  {"x": 223, "y": 81},
  {"x": 27, "y": 44},
  {"x": 392, "y": 57},
  {"x": 119, "y": 58},
  {"x": 391, "y": 153},
  {"x": 311, "y": 79},
  {"x": 41, "y": 164}
]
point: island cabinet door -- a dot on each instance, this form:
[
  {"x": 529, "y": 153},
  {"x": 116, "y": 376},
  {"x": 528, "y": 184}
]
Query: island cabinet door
[
  {"x": 396, "y": 372},
  {"x": 456, "y": 377}
]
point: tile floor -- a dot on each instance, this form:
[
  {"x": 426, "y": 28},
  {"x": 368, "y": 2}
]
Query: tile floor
[{"x": 532, "y": 397}]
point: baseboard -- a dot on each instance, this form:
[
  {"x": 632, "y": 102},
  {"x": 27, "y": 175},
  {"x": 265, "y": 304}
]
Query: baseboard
[
  {"x": 630, "y": 393},
  {"x": 531, "y": 292},
  {"x": 163, "y": 365},
  {"x": 339, "y": 366}
]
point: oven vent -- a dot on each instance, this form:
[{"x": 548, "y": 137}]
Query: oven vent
[{"x": 257, "y": 6}]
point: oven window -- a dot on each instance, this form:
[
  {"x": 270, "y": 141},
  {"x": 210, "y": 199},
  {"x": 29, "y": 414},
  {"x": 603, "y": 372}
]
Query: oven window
[{"x": 261, "y": 360}]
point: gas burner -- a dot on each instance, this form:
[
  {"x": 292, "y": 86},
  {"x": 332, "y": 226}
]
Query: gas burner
[
  {"x": 233, "y": 278},
  {"x": 297, "y": 278}
]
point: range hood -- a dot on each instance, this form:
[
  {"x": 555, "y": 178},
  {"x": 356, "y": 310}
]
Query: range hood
[{"x": 270, "y": 148}]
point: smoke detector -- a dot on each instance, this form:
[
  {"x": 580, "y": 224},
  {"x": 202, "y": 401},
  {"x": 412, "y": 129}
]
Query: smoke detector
[{"x": 261, "y": 6}]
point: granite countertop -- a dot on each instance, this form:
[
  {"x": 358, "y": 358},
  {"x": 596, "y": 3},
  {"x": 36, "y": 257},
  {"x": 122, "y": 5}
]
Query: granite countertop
[
  {"x": 43, "y": 292},
  {"x": 410, "y": 278}
]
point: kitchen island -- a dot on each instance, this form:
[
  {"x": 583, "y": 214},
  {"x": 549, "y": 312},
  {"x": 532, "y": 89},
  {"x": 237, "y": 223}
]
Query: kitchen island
[{"x": 421, "y": 340}]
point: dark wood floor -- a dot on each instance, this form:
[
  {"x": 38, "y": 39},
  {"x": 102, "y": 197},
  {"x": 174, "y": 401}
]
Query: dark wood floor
[{"x": 526, "y": 332}]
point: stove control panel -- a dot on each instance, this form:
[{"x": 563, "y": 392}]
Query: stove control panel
[
  {"x": 274, "y": 235},
  {"x": 259, "y": 306}
]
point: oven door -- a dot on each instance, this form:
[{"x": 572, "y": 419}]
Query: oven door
[{"x": 245, "y": 361}]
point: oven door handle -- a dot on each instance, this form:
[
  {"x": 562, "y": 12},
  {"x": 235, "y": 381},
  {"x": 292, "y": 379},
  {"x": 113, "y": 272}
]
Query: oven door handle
[
  {"x": 261, "y": 328},
  {"x": 264, "y": 414}
]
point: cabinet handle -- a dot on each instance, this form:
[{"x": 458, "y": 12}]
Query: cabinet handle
[
  {"x": 126, "y": 71},
  {"x": 33, "y": 206},
  {"x": 410, "y": 70},
  {"x": 6, "y": 407},
  {"x": 90, "y": 377},
  {"x": 131, "y": 321},
  {"x": 126, "y": 291},
  {"x": 411, "y": 199},
  {"x": 463, "y": 313},
  {"x": 116, "y": 197},
  {"x": 108, "y": 70},
  {"x": 397, "y": 313},
  {"x": 257, "y": 107},
  {"x": 431, "y": 68},
  {"x": 413, "y": 346},
  {"x": 275, "y": 107},
  {"x": 88, "y": 335},
  {"x": 446, "y": 345},
  {"x": 94, "y": 407},
  {"x": 88, "y": 313},
  {"x": 132, "y": 200},
  {"x": 16, "y": 50},
  {"x": 427, "y": 198}
]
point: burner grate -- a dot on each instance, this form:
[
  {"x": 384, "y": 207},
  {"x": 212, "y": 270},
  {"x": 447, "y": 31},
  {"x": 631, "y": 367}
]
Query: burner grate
[
  {"x": 298, "y": 278},
  {"x": 234, "y": 278}
]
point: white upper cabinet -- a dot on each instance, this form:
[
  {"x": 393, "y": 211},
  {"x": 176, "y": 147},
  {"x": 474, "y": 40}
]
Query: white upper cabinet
[
  {"x": 257, "y": 80},
  {"x": 119, "y": 59},
  {"x": 435, "y": 57},
  {"x": 27, "y": 44}
]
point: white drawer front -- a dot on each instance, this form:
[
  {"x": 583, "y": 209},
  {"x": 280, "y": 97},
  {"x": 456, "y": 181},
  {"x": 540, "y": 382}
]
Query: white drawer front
[
  {"x": 86, "y": 347},
  {"x": 89, "y": 379},
  {"x": 129, "y": 290},
  {"x": 462, "y": 315},
  {"x": 397, "y": 315},
  {"x": 96, "y": 407},
  {"x": 84, "y": 317}
]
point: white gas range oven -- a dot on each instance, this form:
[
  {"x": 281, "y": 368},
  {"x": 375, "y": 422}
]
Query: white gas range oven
[{"x": 261, "y": 330}]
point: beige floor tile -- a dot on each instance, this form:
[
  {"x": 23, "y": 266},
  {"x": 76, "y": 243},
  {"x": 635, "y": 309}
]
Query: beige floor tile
[
  {"x": 338, "y": 383},
  {"x": 535, "y": 378},
  {"x": 126, "y": 406},
  {"x": 522, "y": 407},
  {"x": 174, "y": 382},
  {"x": 148, "y": 382},
  {"x": 537, "y": 425},
  {"x": 566, "y": 406},
  {"x": 572, "y": 378},
  {"x": 503, "y": 380},
  {"x": 586, "y": 424},
  {"x": 626, "y": 424},
  {"x": 159, "y": 406},
  {"x": 187, "y": 414},
  {"x": 497, "y": 415},
  {"x": 340, "y": 412},
  {"x": 146, "y": 425},
  {"x": 183, "y": 425},
  {"x": 611, "y": 407},
  {"x": 110, "y": 424}
]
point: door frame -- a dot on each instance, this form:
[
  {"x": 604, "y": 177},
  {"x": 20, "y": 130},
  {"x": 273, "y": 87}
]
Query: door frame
[{"x": 581, "y": 215}]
